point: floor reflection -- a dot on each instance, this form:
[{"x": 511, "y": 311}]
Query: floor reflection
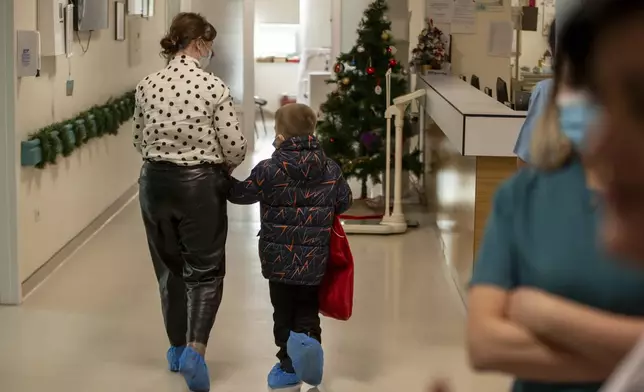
[{"x": 451, "y": 186}]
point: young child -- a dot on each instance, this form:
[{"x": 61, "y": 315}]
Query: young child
[{"x": 300, "y": 191}]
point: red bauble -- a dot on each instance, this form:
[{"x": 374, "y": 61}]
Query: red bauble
[
  {"x": 392, "y": 63},
  {"x": 332, "y": 140},
  {"x": 371, "y": 70}
]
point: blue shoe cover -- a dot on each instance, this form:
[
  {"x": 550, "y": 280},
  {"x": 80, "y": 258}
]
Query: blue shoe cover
[
  {"x": 192, "y": 367},
  {"x": 173, "y": 355},
  {"x": 279, "y": 379},
  {"x": 307, "y": 357}
]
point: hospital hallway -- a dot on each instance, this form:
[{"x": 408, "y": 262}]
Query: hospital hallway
[{"x": 95, "y": 323}]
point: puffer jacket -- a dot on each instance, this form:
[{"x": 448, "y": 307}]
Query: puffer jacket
[{"x": 300, "y": 191}]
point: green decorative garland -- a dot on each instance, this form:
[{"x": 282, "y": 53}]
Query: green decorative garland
[{"x": 65, "y": 137}]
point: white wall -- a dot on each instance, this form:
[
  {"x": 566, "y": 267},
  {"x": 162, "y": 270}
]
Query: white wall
[
  {"x": 227, "y": 17},
  {"x": 274, "y": 79},
  {"x": 315, "y": 19},
  {"x": 55, "y": 204},
  {"x": 233, "y": 60},
  {"x": 352, "y": 11},
  {"x": 10, "y": 288},
  {"x": 277, "y": 11},
  {"x": 469, "y": 51}
]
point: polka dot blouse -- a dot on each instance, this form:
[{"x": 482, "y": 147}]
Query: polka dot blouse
[{"x": 186, "y": 116}]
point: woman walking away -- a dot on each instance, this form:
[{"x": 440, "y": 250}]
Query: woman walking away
[{"x": 188, "y": 134}]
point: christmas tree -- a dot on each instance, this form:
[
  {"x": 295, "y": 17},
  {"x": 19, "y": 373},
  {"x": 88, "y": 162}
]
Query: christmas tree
[
  {"x": 352, "y": 129},
  {"x": 430, "y": 49}
]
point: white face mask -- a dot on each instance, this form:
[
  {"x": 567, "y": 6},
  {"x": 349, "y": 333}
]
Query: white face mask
[{"x": 204, "y": 61}]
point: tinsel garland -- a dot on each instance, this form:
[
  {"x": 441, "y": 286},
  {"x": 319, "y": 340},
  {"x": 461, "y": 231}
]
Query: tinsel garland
[{"x": 65, "y": 137}]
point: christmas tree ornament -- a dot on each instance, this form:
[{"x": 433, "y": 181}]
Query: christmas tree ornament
[
  {"x": 360, "y": 49},
  {"x": 339, "y": 67},
  {"x": 378, "y": 89},
  {"x": 385, "y": 35},
  {"x": 346, "y": 81},
  {"x": 370, "y": 69},
  {"x": 370, "y": 140},
  {"x": 392, "y": 63}
]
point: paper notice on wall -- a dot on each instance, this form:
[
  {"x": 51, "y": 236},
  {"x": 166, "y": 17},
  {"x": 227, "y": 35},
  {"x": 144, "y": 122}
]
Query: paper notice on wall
[
  {"x": 440, "y": 11},
  {"x": 629, "y": 376},
  {"x": 500, "y": 39},
  {"x": 548, "y": 13},
  {"x": 464, "y": 17}
]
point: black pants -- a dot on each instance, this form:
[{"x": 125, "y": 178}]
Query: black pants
[
  {"x": 184, "y": 211},
  {"x": 295, "y": 308}
]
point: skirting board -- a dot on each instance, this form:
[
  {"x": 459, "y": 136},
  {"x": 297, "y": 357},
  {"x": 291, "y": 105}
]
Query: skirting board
[{"x": 42, "y": 273}]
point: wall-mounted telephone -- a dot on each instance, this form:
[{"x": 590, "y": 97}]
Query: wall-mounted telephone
[{"x": 91, "y": 15}]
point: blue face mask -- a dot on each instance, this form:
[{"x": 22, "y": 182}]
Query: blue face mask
[{"x": 576, "y": 119}]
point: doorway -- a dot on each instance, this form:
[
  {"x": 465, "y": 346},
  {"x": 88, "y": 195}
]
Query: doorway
[{"x": 10, "y": 290}]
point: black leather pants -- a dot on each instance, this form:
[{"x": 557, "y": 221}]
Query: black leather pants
[{"x": 184, "y": 211}]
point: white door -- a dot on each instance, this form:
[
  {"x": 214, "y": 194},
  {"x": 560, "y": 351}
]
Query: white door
[{"x": 10, "y": 292}]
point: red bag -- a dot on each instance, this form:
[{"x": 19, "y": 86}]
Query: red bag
[{"x": 336, "y": 290}]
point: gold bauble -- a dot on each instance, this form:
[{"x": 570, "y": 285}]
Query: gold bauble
[
  {"x": 346, "y": 81},
  {"x": 385, "y": 35}
]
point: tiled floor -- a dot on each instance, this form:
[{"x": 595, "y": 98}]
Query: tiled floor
[{"x": 95, "y": 325}]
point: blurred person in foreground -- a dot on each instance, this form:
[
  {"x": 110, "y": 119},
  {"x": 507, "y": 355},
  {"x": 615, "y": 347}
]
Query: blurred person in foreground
[
  {"x": 606, "y": 62},
  {"x": 547, "y": 304},
  {"x": 615, "y": 28}
]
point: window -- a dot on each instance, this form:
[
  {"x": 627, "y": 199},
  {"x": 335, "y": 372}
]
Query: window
[{"x": 272, "y": 39}]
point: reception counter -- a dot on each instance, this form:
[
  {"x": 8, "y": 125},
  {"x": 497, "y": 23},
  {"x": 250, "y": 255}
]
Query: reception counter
[{"x": 471, "y": 142}]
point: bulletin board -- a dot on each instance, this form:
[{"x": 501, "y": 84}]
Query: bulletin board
[{"x": 548, "y": 14}]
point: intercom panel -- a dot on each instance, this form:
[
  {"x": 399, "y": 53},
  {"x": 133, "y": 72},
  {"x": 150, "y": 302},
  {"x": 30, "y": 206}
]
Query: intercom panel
[{"x": 91, "y": 15}]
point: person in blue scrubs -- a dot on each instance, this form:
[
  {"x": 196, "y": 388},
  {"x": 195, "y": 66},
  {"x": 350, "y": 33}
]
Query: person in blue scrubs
[
  {"x": 538, "y": 100},
  {"x": 547, "y": 305}
]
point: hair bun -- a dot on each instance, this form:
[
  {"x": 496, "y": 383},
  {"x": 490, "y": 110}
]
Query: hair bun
[{"x": 169, "y": 45}]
